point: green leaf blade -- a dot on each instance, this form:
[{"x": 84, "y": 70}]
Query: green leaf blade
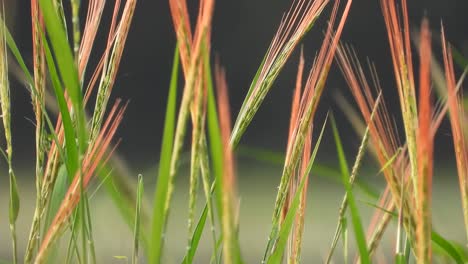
[{"x": 161, "y": 193}]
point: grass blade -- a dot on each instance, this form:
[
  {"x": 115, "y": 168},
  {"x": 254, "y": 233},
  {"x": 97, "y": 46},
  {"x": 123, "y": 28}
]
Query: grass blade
[
  {"x": 459, "y": 58},
  {"x": 136, "y": 232},
  {"x": 449, "y": 248},
  {"x": 231, "y": 247},
  {"x": 158, "y": 225},
  {"x": 195, "y": 239},
  {"x": 355, "y": 217},
  {"x": 205, "y": 172},
  {"x": 350, "y": 181},
  {"x": 66, "y": 67},
  {"x": 207, "y": 211},
  {"x": 193, "y": 77},
  {"x": 14, "y": 203},
  {"x": 94, "y": 158},
  {"x": 313, "y": 91},
  {"x": 72, "y": 158},
  {"x": 58, "y": 194},
  {"x": 319, "y": 169},
  {"x": 280, "y": 244}
]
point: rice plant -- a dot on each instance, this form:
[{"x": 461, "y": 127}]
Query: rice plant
[{"x": 76, "y": 120}]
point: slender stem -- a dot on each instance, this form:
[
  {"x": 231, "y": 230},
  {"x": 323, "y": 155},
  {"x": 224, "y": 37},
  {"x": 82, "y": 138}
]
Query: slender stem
[{"x": 75, "y": 5}]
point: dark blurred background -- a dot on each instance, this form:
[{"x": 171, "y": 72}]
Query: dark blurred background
[{"x": 242, "y": 31}]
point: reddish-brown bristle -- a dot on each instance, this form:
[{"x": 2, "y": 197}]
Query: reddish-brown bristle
[
  {"x": 93, "y": 18},
  {"x": 105, "y": 56},
  {"x": 381, "y": 129},
  {"x": 225, "y": 124},
  {"x": 296, "y": 99},
  {"x": 181, "y": 20},
  {"x": 425, "y": 149},
  {"x": 94, "y": 157},
  {"x": 315, "y": 83},
  {"x": 38, "y": 49},
  {"x": 425, "y": 109},
  {"x": 457, "y": 121},
  {"x": 400, "y": 46},
  {"x": 383, "y": 135},
  {"x": 293, "y": 25},
  {"x": 116, "y": 39},
  {"x": 293, "y": 123},
  {"x": 324, "y": 59}
]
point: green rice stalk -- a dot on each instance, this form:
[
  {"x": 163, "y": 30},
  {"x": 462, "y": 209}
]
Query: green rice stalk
[
  {"x": 400, "y": 47},
  {"x": 157, "y": 228},
  {"x": 68, "y": 73},
  {"x": 382, "y": 133},
  {"x": 175, "y": 141},
  {"x": 71, "y": 147},
  {"x": 89, "y": 238},
  {"x": 376, "y": 237},
  {"x": 297, "y": 22},
  {"x": 38, "y": 100},
  {"x": 355, "y": 216},
  {"x": 58, "y": 6},
  {"x": 344, "y": 234},
  {"x": 197, "y": 130},
  {"x": 181, "y": 125},
  {"x": 296, "y": 238},
  {"x": 286, "y": 226},
  {"x": 90, "y": 163},
  {"x": 344, "y": 203},
  {"x": 313, "y": 91},
  {"x": 111, "y": 65},
  {"x": 14, "y": 203},
  {"x": 72, "y": 249},
  {"x": 399, "y": 240},
  {"x": 220, "y": 160},
  {"x": 195, "y": 239},
  {"x": 196, "y": 236},
  {"x": 75, "y": 6},
  {"x": 205, "y": 173},
  {"x": 136, "y": 232},
  {"x": 47, "y": 120},
  {"x": 161, "y": 193}
]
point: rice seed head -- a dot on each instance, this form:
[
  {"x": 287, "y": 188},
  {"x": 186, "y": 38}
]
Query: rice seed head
[
  {"x": 93, "y": 19},
  {"x": 292, "y": 124},
  {"x": 96, "y": 156},
  {"x": 383, "y": 136},
  {"x": 193, "y": 64},
  {"x": 181, "y": 20},
  {"x": 400, "y": 47},
  {"x": 294, "y": 25},
  {"x": 459, "y": 129},
  {"x": 5, "y": 87},
  {"x": 425, "y": 151},
  {"x": 310, "y": 97},
  {"x": 112, "y": 58}
]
